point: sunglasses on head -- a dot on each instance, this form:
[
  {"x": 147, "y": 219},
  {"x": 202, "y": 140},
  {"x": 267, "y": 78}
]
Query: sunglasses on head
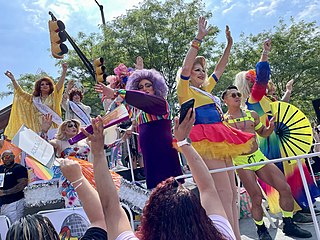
[
  {"x": 237, "y": 94},
  {"x": 147, "y": 85},
  {"x": 72, "y": 124}
]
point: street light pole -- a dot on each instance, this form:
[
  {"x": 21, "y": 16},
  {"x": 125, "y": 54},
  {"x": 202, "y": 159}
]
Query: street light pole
[{"x": 102, "y": 14}]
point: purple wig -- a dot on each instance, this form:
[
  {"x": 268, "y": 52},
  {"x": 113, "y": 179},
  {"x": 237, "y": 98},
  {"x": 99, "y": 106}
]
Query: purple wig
[{"x": 158, "y": 83}]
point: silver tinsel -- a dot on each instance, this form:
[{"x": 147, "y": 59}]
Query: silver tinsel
[
  {"x": 41, "y": 194},
  {"x": 133, "y": 196}
]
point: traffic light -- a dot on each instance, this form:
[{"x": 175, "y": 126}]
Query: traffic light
[
  {"x": 57, "y": 37},
  {"x": 100, "y": 70}
]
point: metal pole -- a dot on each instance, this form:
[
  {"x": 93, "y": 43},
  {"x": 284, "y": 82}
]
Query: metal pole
[
  {"x": 306, "y": 189},
  {"x": 102, "y": 13}
]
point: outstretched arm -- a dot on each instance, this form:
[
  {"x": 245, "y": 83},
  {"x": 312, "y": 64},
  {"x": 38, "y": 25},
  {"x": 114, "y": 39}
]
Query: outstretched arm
[
  {"x": 115, "y": 217},
  {"x": 287, "y": 94},
  {"x": 87, "y": 194},
  {"x": 209, "y": 197},
  {"x": 13, "y": 80},
  {"x": 194, "y": 48},
  {"x": 63, "y": 76},
  {"x": 221, "y": 65}
]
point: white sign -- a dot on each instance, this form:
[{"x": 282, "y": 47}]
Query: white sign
[
  {"x": 2, "y": 179},
  {"x": 35, "y": 146}
]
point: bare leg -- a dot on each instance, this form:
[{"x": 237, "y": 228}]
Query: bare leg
[
  {"x": 249, "y": 181},
  {"x": 225, "y": 190},
  {"x": 273, "y": 176},
  {"x": 234, "y": 199}
]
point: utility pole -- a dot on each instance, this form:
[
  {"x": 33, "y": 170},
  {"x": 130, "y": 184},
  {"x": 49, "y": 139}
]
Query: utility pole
[{"x": 102, "y": 14}]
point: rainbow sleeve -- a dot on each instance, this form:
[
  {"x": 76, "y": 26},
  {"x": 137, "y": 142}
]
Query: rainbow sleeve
[{"x": 259, "y": 88}]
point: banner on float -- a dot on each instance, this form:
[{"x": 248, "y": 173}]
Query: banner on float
[
  {"x": 35, "y": 146},
  {"x": 70, "y": 223}
]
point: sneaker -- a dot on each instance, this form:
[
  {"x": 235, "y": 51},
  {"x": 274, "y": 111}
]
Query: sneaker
[
  {"x": 292, "y": 230},
  {"x": 264, "y": 234},
  {"x": 307, "y": 212},
  {"x": 300, "y": 218}
]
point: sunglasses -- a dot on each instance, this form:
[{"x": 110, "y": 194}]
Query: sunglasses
[
  {"x": 70, "y": 125},
  {"x": 237, "y": 94},
  {"x": 147, "y": 85}
]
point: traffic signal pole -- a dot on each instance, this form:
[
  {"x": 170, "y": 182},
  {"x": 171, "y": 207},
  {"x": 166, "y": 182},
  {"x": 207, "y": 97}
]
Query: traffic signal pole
[{"x": 83, "y": 58}]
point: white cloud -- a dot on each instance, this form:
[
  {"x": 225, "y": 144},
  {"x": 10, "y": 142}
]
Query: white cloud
[
  {"x": 311, "y": 11},
  {"x": 267, "y": 8},
  {"x": 228, "y": 9}
]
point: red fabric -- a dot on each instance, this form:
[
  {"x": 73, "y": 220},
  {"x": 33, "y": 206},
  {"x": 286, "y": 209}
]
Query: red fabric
[{"x": 219, "y": 132}]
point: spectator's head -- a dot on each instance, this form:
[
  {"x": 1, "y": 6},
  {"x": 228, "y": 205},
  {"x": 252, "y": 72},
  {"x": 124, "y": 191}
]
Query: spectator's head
[
  {"x": 75, "y": 95},
  {"x": 7, "y": 157},
  {"x": 174, "y": 212},
  {"x": 68, "y": 129},
  {"x": 32, "y": 227},
  {"x": 149, "y": 81},
  {"x": 43, "y": 86}
]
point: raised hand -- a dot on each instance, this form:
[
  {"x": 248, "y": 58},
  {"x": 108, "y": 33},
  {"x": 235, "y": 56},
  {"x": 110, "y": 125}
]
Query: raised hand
[
  {"x": 139, "y": 63},
  {"x": 289, "y": 85},
  {"x": 228, "y": 35},
  {"x": 267, "y": 45},
  {"x": 203, "y": 30},
  {"x": 64, "y": 66},
  {"x": 46, "y": 122},
  {"x": 181, "y": 131},
  {"x": 10, "y": 75},
  {"x": 107, "y": 92},
  {"x": 70, "y": 85},
  {"x": 97, "y": 138},
  {"x": 70, "y": 169}
]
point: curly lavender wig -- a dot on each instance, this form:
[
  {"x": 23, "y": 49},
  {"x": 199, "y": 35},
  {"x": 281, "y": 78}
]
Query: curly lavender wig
[{"x": 159, "y": 84}]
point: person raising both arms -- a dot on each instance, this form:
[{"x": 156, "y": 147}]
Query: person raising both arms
[
  {"x": 27, "y": 109},
  {"x": 214, "y": 141}
]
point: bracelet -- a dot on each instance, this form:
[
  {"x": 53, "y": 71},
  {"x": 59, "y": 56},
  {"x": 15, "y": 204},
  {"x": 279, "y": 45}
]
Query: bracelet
[
  {"x": 198, "y": 40},
  {"x": 195, "y": 44},
  {"x": 264, "y": 52},
  {"x": 75, "y": 188},
  {"x": 80, "y": 179}
]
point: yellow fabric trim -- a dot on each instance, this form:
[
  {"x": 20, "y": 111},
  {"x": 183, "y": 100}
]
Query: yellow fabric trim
[
  {"x": 221, "y": 150},
  {"x": 248, "y": 117},
  {"x": 287, "y": 214},
  {"x": 259, "y": 223}
]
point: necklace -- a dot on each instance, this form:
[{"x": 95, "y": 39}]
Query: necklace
[{"x": 241, "y": 119}]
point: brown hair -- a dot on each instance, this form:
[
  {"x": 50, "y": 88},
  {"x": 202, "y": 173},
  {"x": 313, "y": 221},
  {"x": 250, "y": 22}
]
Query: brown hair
[
  {"x": 75, "y": 92},
  {"x": 37, "y": 86},
  {"x": 174, "y": 212}
]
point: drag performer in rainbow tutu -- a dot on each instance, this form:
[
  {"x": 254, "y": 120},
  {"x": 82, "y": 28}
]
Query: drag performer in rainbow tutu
[
  {"x": 216, "y": 142},
  {"x": 253, "y": 84}
]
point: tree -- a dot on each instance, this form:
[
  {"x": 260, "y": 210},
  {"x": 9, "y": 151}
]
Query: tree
[
  {"x": 158, "y": 31},
  {"x": 294, "y": 55}
]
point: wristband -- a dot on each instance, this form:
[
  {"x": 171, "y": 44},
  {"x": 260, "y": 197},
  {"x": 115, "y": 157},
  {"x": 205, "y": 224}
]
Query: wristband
[
  {"x": 80, "y": 179},
  {"x": 186, "y": 141}
]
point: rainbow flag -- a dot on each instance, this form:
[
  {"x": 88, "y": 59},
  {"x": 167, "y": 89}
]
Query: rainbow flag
[{"x": 39, "y": 170}]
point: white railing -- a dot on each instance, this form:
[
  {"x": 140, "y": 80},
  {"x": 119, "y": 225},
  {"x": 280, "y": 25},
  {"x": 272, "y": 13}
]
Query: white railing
[{"x": 303, "y": 177}]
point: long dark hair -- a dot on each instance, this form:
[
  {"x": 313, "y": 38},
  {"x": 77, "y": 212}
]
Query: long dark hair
[
  {"x": 174, "y": 212},
  {"x": 32, "y": 227}
]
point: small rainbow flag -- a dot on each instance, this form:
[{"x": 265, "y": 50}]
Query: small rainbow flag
[{"x": 39, "y": 170}]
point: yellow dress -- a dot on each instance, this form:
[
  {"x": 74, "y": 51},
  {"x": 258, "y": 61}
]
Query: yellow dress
[{"x": 23, "y": 111}]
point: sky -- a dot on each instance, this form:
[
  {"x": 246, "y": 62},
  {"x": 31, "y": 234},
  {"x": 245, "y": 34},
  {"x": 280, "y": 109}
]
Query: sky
[{"x": 25, "y": 39}]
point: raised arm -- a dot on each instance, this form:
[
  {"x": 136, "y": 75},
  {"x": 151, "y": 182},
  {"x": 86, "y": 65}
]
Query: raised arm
[
  {"x": 63, "y": 76},
  {"x": 194, "y": 48},
  {"x": 263, "y": 74},
  {"x": 87, "y": 194},
  {"x": 209, "y": 197},
  {"x": 151, "y": 104},
  {"x": 13, "y": 80},
  {"x": 115, "y": 217},
  {"x": 221, "y": 65},
  {"x": 65, "y": 97},
  {"x": 287, "y": 95}
]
